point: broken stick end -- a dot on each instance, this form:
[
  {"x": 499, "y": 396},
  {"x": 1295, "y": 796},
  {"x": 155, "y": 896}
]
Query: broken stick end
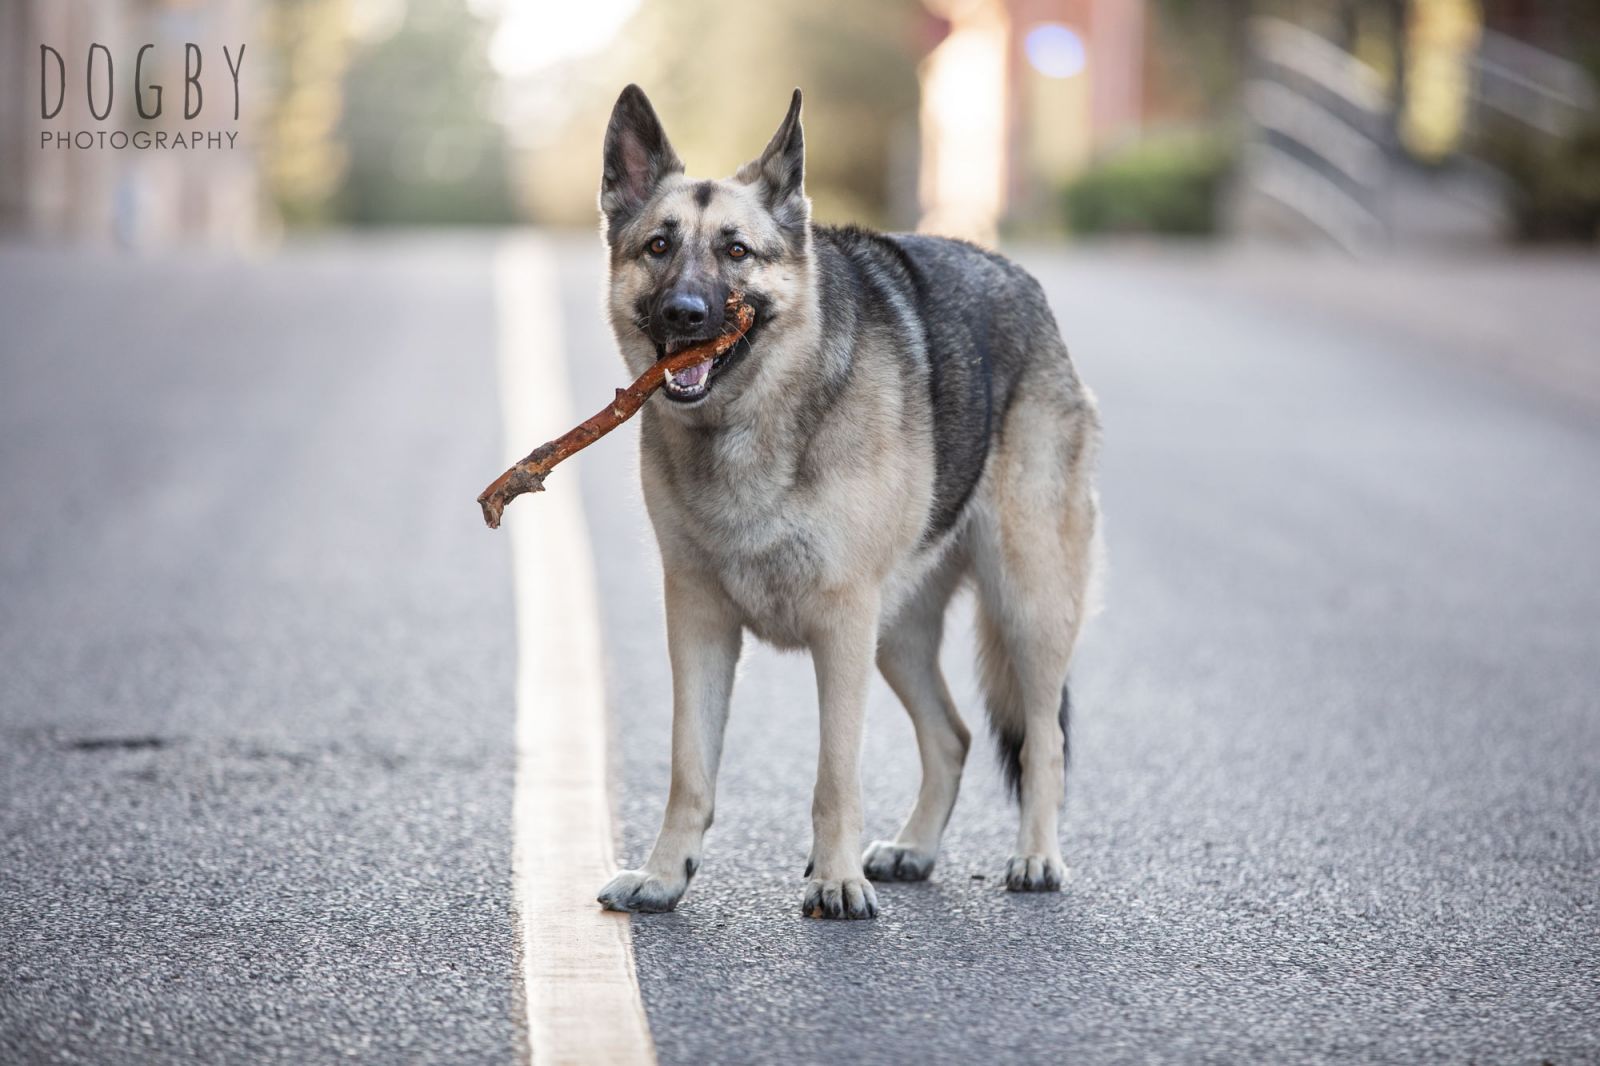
[{"x": 507, "y": 487}]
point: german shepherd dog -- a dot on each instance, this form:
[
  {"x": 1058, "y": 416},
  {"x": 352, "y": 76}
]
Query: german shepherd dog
[{"x": 901, "y": 419}]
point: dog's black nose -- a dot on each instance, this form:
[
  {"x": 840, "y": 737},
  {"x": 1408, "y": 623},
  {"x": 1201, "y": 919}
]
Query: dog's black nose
[{"x": 685, "y": 311}]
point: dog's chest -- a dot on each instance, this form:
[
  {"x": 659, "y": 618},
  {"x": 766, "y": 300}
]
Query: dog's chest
[
  {"x": 772, "y": 554},
  {"x": 784, "y": 537},
  {"x": 772, "y": 542}
]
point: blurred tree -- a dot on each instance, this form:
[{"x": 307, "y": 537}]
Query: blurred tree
[
  {"x": 423, "y": 141},
  {"x": 304, "y": 156},
  {"x": 720, "y": 73},
  {"x": 1200, "y": 45},
  {"x": 855, "y": 62}
]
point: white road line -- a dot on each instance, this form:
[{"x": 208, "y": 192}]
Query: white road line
[{"x": 577, "y": 961}]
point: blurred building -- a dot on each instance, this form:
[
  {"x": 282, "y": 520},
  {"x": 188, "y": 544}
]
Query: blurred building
[
  {"x": 1018, "y": 95},
  {"x": 127, "y": 195},
  {"x": 1358, "y": 123}
]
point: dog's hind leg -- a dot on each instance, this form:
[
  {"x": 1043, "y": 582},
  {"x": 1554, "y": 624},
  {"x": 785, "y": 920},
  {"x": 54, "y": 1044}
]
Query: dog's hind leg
[
  {"x": 703, "y": 642},
  {"x": 1034, "y": 548},
  {"x": 908, "y": 658}
]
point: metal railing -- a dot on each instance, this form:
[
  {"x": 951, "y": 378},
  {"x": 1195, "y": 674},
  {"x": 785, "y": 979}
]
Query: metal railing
[
  {"x": 1320, "y": 143},
  {"x": 1317, "y": 130}
]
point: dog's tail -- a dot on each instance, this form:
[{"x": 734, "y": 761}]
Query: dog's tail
[{"x": 1003, "y": 699}]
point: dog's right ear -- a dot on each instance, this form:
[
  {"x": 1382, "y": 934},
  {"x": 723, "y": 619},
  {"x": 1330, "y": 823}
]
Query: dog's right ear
[{"x": 637, "y": 156}]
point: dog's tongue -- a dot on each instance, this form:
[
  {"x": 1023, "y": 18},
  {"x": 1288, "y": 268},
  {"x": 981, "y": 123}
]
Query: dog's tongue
[{"x": 692, "y": 376}]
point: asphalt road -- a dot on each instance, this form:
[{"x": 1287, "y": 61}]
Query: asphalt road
[
  {"x": 255, "y": 674},
  {"x": 1336, "y": 782}
]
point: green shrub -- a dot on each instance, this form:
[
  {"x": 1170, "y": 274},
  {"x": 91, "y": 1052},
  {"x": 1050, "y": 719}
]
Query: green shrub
[
  {"x": 1169, "y": 184},
  {"x": 1554, "y": 182}
]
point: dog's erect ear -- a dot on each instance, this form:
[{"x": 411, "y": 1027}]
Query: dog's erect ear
[
  {"x": 781, "y": 169},
  {"x": 637, "y": 156}
]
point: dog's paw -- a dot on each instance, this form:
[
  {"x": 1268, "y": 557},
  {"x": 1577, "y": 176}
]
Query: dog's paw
[
  {"x": 639, "y": 890},
  {"x": 1035, "y": 873},
  {"x": 885, "y": 861},
  {"x": 850, "y": 898}
]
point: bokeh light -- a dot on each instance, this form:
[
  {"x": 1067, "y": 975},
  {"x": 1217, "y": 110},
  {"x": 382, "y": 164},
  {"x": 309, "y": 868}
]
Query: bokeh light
[
  {"x": 1056, "y": 51},
  {"x": 536, "y": 34}
]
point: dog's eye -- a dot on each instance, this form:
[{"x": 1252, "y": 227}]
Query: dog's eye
[
  {"x": 659, "y": 246},
  {"x": 737, "y": 251}
]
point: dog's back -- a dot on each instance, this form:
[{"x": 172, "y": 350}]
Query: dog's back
[{"x": 970, "y": 321}]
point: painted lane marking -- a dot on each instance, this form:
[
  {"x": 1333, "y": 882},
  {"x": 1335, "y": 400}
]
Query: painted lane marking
[{"x": 580, "y": 988}]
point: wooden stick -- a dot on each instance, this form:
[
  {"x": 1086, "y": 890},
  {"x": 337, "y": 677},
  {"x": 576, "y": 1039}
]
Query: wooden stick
[{"x": 529, "y": 474}]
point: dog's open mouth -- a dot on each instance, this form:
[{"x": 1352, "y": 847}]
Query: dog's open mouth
[{"x": 694, "y": 383}]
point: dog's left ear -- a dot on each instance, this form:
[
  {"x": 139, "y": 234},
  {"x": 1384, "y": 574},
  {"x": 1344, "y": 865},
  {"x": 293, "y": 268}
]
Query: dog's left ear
[{"x": 781, "y": 170}]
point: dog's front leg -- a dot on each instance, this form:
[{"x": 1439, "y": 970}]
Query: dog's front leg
[
  {"x": 703, "y": 639},
  {"x": 843, "y": 654}
]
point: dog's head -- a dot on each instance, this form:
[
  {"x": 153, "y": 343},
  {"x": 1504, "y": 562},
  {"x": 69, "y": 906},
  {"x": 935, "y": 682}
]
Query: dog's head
[{"x": 679, "y": 246}]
